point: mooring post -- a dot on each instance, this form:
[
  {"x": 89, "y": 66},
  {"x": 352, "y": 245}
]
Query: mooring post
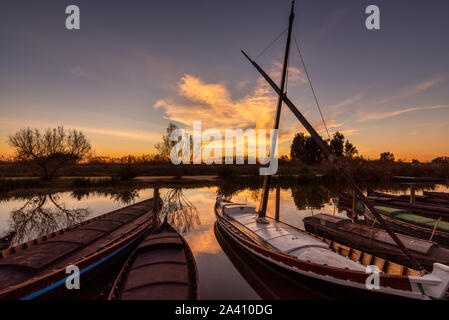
[
  {"x": 155, "y": 203},
  {"x": 412, "y": 193},
  {"x": 278, "y": 199},
  {"x": 354, "y": 205}
]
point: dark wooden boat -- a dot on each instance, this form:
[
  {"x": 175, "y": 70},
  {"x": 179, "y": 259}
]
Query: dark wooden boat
[
  {"x": 162, "y": 267},
  {"x": 37, "y": 269},
  {"x": 426, "y": 199},
  {"x": 376, "y": 241},
  {"x": 295, "y": 251},
  {"x": 407, "y": 179},
  {"x": 416, "y": 208},
  {"x": 411, "y": 224},
  {"x": 439, "y": 195}
]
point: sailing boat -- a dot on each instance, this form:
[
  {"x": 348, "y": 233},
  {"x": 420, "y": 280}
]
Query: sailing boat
[{"x": 297, "y": 252}]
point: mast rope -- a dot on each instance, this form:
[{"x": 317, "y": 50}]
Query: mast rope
[
  {"x": 311, "y": 86},
  {"x": 271, "y": 43}
]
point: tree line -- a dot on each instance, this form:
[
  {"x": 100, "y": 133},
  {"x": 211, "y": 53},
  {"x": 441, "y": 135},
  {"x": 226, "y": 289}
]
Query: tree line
[{"x": 52, "y": 149}]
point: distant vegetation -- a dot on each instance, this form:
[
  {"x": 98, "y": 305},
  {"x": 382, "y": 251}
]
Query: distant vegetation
[
  {"x": 304, "y": 149},
  {"x": 59, "y": 152}
]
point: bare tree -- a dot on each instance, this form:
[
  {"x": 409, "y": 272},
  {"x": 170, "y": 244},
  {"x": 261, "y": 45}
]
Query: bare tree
[
  {"x": 50, "y": 150},
  {"x": 165, "y": 145}
]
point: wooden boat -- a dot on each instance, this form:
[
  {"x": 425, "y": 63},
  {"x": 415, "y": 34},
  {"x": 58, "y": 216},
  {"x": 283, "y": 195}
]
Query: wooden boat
[
  {"x": 439, "y": 195},
  {"x": 407, "y": 179},
  {"x": 162, "y": 267},
  {"x": 415, "y": 225},
  {"x": 293, "y": 250},
  {"x": 426, "y": 199},
  {"x": 37, "y": 269},
  {"x": 375, "y": 241},
  {"x": 416, "y": 208}
]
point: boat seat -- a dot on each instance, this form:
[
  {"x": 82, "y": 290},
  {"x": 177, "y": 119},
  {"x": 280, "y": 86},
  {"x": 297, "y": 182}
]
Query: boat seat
[
  {"x": 158, "y": 292},
  {"x": 157, "y": 273},
  {"x": 159, "y": 256},
  {"x": 170, "y": 240}
]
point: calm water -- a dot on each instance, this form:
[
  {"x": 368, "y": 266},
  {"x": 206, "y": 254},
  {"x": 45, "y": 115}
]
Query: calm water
[{"x": 224, "y": 272}]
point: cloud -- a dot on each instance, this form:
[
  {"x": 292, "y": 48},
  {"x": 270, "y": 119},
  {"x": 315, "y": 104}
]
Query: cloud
[
  {"x": 294, "y": 74},
  {"x": 379, "y": 116},
  {"x": 411, "y": 91},
  {"x": 346, "y": 102},
  {"x": 213, "y": 105},
  {"x": 78, "y": 71}
]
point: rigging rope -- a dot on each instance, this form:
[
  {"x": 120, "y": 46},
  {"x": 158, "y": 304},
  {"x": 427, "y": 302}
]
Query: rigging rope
[
  {"x": 310, "y": 82},
  {"x": 268, "y": 47}
]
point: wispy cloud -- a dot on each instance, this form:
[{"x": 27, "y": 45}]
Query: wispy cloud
[
  {"x": 78, "y": 71},
  {"x": 346, "y": 102},
  {"x": 412, "y": 90},
  {"x": 379, "y": 116}
]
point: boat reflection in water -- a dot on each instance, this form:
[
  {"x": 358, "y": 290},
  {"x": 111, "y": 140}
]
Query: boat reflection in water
[
  {"x": 269, "y": 283},
  {"x": 43, "y": 214}
]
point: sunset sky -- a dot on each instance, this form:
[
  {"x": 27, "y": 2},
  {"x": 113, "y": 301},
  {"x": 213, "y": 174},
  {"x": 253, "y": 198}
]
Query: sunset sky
[{"x": 136, "y": 65}]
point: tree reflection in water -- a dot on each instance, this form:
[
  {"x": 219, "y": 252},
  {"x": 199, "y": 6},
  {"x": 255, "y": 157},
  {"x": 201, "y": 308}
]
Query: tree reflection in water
[
  {"x": 43, "y": 214},
  {"x": 122, "y": 197},
  {"x": 310, "y": 197},
  {"x": 179, "y": 211}
]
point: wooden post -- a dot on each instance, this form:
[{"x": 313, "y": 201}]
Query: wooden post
[
  {"x": 354, "y": 205},
  {"x": 278, "y": 199},
  {"x": 155, "y": 203},
  {"x": 412, "y": 193}
]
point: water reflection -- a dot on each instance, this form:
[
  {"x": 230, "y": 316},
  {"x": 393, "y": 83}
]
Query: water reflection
[
  {"x": 220, "y": 276},
  {"x": 122, "y": 197},
  {"x": 310, "y": 197},
  {"x": 179, "y": 211},
  {"x": 43, "y": 214}
]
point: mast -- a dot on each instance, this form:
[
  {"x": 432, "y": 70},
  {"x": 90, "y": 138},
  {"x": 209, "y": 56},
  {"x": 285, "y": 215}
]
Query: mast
[
  {"x": 267, "y": 178},
  {"x": 325, "y": 149}
]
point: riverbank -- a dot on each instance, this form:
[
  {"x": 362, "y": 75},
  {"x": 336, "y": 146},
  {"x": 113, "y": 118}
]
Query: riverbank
[{"x": 360, "y": 169}]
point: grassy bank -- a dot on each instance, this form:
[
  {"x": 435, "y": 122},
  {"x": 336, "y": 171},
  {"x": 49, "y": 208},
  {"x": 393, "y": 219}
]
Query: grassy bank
[{"x": 122, "y": 175}]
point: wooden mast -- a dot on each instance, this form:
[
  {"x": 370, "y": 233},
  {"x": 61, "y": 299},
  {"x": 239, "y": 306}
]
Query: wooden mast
[
  {"x": 267, "y": 179},
  {"x": 333, "y": 159}
]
